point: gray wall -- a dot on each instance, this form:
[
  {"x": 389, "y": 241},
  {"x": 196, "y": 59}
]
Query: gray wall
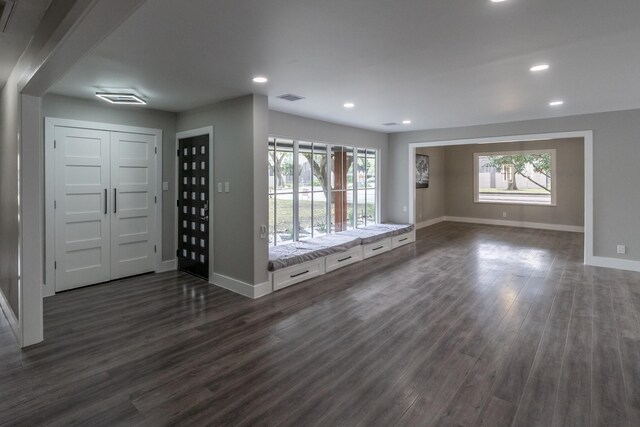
[
  {"x": 569, "y": 209},
  {"x": 616, "y": 175},
  {"x": 430, "y": 202},
  {"x": 296, "y": 127},
  {"x": 9, "y": 227},
  {"x": 240, "y": 153},
  {"x": 98, "y": 111}
]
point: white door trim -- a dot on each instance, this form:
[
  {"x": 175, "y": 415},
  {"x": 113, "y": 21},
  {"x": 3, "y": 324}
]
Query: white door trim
[
  {"x": 49, "y": 136},
  {"x": 208, "y": 130},
  {"x": 587, "y": 135}
]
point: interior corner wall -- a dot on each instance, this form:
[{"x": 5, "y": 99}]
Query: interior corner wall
[
  {"x": 569, "y": 185},
  {"x": 431, "y": 202},
  {"x": 302, "y": 128},
  {"x": 235, "y": 214},
  {"x": 64, "y": 107},
  {"x": 10, "y": 112},
  {"x": 616, "y": 155}
]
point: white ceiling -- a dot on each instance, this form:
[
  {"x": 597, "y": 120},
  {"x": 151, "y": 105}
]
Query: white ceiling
[
  {"x": 440, "y": 63},
  {"x": 24, "y": 20}
]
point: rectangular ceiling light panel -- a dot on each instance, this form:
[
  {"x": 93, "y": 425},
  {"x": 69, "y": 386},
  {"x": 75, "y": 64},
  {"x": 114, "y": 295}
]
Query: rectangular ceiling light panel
[{"x": 121, "y": 98}]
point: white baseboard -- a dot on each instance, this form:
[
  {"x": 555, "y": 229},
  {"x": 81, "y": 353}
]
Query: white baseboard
[
  {"x": 522, "y": 224},
  {"x": 11, "y": 317},
  {"x": 262, "y": 289},
  {"x": 619, "y": 264},
  {"x": 430, "y": 222},
  {"x": 240, "y": 287},
  {"x": 168, "y": 265}
]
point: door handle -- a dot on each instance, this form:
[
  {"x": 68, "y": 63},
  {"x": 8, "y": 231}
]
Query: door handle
[
  {"x": 115, "y": 200},
  {"x": 105, "y": 201}
]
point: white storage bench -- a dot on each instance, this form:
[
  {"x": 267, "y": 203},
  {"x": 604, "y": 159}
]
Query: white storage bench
[{"x": 299, "y": 261}]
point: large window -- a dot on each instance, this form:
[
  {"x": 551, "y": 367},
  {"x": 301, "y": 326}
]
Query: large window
[
  {"x": 315, "y": 189},
  {"x": 517, "y": 177}
]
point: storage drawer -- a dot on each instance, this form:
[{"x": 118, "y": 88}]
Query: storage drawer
[
  {"x": 377, "y": 248},
  {"x": 403, "y": 239},
  {"x": 298, "y": 273},
  {"x": 342, "y": 259}
]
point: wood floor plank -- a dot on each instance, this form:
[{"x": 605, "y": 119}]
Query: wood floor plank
[
  {"x": 470, "y": 325},
  {"x": 573, "y": 402}
]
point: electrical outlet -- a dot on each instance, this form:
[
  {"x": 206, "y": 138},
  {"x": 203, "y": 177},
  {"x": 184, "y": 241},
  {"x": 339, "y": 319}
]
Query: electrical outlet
[
  {"x": 165, "y": 186},
  {"x": 404, "y": 209},
  {"x": 504, "y": 214},
  {"x": 622, "y": 249}
]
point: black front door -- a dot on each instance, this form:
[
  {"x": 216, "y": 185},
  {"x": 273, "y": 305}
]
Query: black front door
[{"x": 193, "y": 205}]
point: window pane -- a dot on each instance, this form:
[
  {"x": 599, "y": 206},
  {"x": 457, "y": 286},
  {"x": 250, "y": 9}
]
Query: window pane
[
  {"x": 272, "y": 212},
  {"x": 361, "y": 208},
  {"x": 305, "y": 174},
  {"x": 361, "y": 169},
  {"x": 271, "y": 172},
  {"x": 284, "y": 166},
  {"x": 338, "y": 211},
  {"x": 319, "y": 213},
  {"x": 304, "y": 216},
  {"x": 350, "y": 166},
  {"x": 284, "y": 218},
  {"x": 371, "y": 207},
  {"x": 371, "y": 170},
  {"x": 320, "y": 168},
  {"x": 517, "y": 178}
]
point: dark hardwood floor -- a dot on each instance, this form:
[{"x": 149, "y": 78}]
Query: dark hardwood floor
[{"x": 471, "y": 325}]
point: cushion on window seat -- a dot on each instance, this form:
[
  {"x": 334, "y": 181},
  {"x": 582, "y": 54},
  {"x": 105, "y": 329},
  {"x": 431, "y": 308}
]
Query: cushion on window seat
[
  {"x": 289, "y": 254},
  {"x": 376, "y": 232}
]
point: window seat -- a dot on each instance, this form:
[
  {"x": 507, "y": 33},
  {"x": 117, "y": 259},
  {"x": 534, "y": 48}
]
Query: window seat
[{"x": 298, "y": 261}]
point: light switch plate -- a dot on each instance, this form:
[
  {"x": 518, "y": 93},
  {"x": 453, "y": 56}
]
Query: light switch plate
[
  {"x": 165, "y": 186},
  {"x": 219, "y": 187},
  {"x": 226, "y": 187}
]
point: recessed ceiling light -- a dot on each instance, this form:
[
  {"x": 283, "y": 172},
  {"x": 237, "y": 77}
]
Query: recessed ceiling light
[
  {"x": 556, "y": 103},
  {"x": 539, "y": 67},
  {"x": 121, "y": 98},
  {"x": 406, "y": 122},
  {"x": 260, "y": 79},
  {"x": 349, "y": 105},
  {"x": 498, "y": 1}
]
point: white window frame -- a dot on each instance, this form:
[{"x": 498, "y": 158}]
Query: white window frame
[
  {"x": 476, "y": 172},
  {"x": 329, "y": 146}
]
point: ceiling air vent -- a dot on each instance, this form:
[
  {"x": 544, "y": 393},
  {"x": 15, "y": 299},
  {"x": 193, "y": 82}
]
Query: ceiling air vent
[
  {"x": 6, "y": 7},
  {"x": 290, "y": 97},
  {"x": 390, "y": 124}
]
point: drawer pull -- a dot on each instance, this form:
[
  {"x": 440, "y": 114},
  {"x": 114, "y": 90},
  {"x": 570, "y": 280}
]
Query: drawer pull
[
  {"x": 402, "y": 240},
  {"x": 344, "y": 259},
  {"x": 379, "y": 247},
  {"x": 299, "y": 274}
]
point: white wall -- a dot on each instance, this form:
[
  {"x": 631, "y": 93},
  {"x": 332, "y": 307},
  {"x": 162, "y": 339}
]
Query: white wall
[{"x": 616, "y": 155}]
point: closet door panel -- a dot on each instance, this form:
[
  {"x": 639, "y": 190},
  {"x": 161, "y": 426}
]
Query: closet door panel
[
  {"x": 133, "y": 197},
  {"x": 82, "y": 236}
]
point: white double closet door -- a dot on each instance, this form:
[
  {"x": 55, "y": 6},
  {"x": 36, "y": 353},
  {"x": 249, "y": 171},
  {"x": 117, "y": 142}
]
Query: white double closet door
[{"x": 105, "y": 205}]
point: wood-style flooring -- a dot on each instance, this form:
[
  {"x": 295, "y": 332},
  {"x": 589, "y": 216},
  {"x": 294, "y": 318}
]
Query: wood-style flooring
[{"x": 471, "y": 325}]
